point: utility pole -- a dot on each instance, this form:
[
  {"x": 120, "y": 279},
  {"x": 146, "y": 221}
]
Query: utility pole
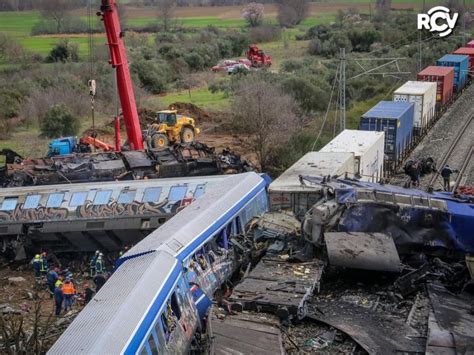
[
  {"x": 464, "y": 12},
  {"x": 342, "y": 89},
  {"x": 420, "y": 54}
]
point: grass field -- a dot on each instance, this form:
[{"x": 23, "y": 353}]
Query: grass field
[
  {"x": 201, "y": 97},
  {"x": 19, "y": 24}
]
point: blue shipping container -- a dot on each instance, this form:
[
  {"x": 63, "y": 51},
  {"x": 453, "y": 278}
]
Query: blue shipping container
[
  {"x": 396, "y": 120},
  {"x": 460, "y": 63}
]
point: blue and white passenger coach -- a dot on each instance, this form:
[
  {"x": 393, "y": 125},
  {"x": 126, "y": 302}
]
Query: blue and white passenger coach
[{"x": 157, "y": 299}]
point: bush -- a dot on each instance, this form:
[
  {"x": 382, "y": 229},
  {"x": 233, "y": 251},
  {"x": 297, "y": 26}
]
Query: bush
[
  {"x": 152, "y": 75},
  {"x": 59, "y": 121},
  {"x": 64, "y": 51},
  {"x": 265, "y": 34}
]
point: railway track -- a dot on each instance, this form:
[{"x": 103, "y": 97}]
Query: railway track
[{"x": 461, "y": 146}]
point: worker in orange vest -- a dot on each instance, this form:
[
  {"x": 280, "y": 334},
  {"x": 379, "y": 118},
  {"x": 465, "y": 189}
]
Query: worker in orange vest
[{"x": 69, "y": 291}]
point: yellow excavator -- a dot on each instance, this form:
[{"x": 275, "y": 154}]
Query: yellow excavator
[{"x": 171, "y": 128}]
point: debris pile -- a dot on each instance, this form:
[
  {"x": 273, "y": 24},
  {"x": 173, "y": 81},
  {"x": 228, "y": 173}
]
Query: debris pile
[{"x": 195, "y": 159}]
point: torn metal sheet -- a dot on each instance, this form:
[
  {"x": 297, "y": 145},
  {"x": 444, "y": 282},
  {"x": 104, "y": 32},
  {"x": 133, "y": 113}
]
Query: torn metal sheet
[
  {"x": 440, "y": 341},
  {"x": 373, "y": 331},
  {"x": 453, "y": 314},
  {"x": 246, "y": 334},
  {"x": 366, "y": 251}
]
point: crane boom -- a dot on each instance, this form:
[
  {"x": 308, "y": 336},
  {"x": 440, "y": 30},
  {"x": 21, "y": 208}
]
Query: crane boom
[{"x": 118, "y": 60}]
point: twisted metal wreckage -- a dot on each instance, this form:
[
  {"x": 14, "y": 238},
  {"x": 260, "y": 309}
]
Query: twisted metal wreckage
[{"x": 195, "y": 159}]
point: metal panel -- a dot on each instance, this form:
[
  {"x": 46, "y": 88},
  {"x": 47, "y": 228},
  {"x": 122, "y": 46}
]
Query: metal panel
[{"x": 366, "y": 251}]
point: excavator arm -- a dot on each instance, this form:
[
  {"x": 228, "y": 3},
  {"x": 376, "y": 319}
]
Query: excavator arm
[{"x": 118, "y": 60}]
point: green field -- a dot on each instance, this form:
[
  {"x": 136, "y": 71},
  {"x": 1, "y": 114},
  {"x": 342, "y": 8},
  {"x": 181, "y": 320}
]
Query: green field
[
  {"x": 19, "y": 24},
  {"x": 201, "y": 97}
]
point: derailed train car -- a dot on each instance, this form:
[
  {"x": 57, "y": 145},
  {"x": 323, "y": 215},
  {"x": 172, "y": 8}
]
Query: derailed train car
[
  {"x": 417, "y": 221},
  {"x": 89, "y": 216},
  {"x": 195, "y": 159},
  {"x": 157, "y": 299}
]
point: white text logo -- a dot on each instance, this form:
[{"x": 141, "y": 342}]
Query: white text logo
[{"x": 438, "y": 19}]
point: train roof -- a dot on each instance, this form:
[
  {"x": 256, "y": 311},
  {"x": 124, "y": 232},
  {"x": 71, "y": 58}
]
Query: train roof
[
  {"x": 201, "y": 217},
  {"x": 312, "y": 163},
  {"x": 117, "y": 311},
  {"x": 351, "y": 140},
  {"x": 25, "y": 190}
]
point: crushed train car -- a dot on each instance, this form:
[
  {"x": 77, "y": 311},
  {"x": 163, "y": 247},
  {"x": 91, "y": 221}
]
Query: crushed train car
[
  {"x": 418, "y": 222},
  {"x": 195, "y": 159}
]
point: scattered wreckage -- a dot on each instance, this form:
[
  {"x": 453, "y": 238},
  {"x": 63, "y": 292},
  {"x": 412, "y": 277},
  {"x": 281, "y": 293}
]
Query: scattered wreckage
[
  {"x": 373, "y": 268},
  {"x": 195, "y": 159}
]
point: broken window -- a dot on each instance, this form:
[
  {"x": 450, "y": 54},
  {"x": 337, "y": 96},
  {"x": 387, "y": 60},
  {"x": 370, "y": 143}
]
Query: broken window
[
  {"x": 55, "y": 200},
  {"x": 175, "y": 306},
  {"x": 78, "y": 199},
  {"x": 31, "y": 201},
  {"x": 102, "y": 197},
  {"x": 177, "y": 193},
  {"x": 151, "y": 194},
  {"x": 126, "y": 197},
  {"x": 199, "y": 191},
  {"x": 9, "y": 204}
]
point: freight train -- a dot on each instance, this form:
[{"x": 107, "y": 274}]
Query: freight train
[
  {"x": 435, "y": 89},
  {"x": 157, "y": 300}
]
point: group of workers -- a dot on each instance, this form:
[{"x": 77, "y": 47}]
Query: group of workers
[
  {"x": 61, "y": 285},
  {"x": 416, "y": 169}
]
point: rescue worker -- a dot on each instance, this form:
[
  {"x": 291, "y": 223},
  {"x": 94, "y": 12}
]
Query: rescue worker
[
  {"x": 58, "y": 297},
  {"x": 99, "y": 281},
  {"x": 69, "y": 291},
  {"x": 88, "y": 293},
  {"x": 44, "y": 264},
  {"x": 446, "y": 173},
  {"x": 51, "y": 277},
  {"x": 99, "y": 264},
  {"x": 37, "y": 268},
  {"x": 93, "y": 262}
]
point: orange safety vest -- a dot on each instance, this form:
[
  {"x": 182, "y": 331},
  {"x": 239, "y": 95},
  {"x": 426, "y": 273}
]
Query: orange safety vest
[{"x": 68, "y": 288}]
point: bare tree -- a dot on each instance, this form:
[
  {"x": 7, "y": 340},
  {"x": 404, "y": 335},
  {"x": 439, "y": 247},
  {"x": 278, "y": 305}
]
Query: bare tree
[
  {"x": 166, "y": 12},
  {"x": 263, "y": 111},
  {"x": 56, "y": 10},
  {"x": 253, "y": 13},
  {"x": 292, "y": 12}
]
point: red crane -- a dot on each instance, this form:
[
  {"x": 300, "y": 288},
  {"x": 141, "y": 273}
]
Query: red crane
[{"x": 118, "y": 60}]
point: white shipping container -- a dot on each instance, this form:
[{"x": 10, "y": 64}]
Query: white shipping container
[
  {"x": 287, "y": 192},
  {"x": 423, "y": 95},
  {"x": 368, "y": 150}
]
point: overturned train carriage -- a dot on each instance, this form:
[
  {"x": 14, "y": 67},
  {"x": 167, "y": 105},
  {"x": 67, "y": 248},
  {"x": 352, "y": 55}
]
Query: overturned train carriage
[
  {"x": 181, "y": 160},
  {"x": 90, "y": 216},
  {"x": 156, "y": 300}
]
